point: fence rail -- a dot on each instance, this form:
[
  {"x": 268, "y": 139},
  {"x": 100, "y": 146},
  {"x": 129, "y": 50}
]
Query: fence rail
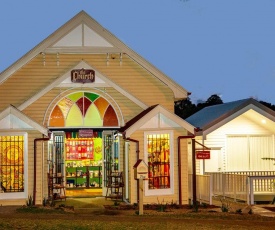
[
  {"x": 235, "y": 185},
  {"x": 203, "y": 188}
]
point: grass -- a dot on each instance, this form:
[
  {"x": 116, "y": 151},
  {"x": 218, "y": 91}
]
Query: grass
[{"x": 34, "y": 218}]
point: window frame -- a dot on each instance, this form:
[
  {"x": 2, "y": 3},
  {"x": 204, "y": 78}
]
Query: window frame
[
  {"x": 162, "y": 191},
  {"x": 249, "y": 157},
  {"x": 19, "y": 195}
]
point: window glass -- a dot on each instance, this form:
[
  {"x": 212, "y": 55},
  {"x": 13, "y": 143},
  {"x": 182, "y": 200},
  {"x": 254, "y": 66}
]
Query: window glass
[
  {"x": 12, "y": 163},
  {"x": 83, "y": 109},
  {"x": 158, "y": 161},
  {"x": 247, "y": 153}
]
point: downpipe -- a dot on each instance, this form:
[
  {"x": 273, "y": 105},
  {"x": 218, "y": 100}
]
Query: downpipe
[
  {"x": 34, "y": 163},
  {"x": 179, "y": 164}
]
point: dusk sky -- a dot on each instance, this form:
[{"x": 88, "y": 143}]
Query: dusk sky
[{"x": 224, "y": 47}]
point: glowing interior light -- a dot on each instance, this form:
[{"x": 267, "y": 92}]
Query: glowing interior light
[{"x": 264, "y": 121}]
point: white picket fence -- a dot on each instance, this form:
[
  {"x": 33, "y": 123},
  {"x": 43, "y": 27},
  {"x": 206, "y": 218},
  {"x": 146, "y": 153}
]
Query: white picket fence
[{"x": 239, "y": 186}]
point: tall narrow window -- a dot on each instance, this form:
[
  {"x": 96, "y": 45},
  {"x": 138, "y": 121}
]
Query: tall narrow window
[
  {"x": 12, "y": 163},
  {"x": 158, "y": 155}
]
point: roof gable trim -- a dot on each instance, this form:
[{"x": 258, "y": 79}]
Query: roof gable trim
[
  {"x": 159, "y": 118},
  {"x": 82, "y": 36},
  {"x": 108, "y": 40},
  {"x": 12, "y": 118},
  {"x": 259, "y": 108}
]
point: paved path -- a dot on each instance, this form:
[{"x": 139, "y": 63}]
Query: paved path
[{"x": 258, "y": 209}]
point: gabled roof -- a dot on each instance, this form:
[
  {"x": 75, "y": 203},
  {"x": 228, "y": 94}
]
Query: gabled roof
[
  {"x": 75, "y": 37},
  {"x": 155, "y": 117},
  {"x": 12, "y": 118},
  {"x": 218, "y": 115}
]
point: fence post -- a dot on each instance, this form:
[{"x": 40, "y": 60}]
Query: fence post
[
  {"x": 223, "y": 185},
  {"x": 211, "y": 189},
  {"x": 247, "y": 190},
  {"x": 234, "y": 187},
  {"x": 251, "y": 191}
]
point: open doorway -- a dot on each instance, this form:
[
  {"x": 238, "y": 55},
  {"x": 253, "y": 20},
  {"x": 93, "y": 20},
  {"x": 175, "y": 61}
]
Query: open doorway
[{"x": 82, "y": 160}]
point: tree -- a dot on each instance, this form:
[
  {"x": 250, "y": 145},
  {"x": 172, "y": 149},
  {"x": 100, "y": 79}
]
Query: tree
[
  {"x": 267, "y": 104},
  {"x": 185, "y": 108},
  {"x": 214, "y": 100}
]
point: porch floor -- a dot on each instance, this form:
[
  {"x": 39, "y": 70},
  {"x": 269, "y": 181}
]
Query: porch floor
[{"x": 95, "y": 192}]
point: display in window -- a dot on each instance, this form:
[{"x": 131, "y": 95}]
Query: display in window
[
  {"x": 158, "y": 149},
  {"x": 12, "y": 163},
  {"x": 79, "y": 148}
]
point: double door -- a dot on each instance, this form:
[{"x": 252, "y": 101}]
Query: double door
[{"x": 87, "y": 171}]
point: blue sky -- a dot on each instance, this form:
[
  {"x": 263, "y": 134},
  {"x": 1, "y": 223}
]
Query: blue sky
[{"x": 224, "y": 47}]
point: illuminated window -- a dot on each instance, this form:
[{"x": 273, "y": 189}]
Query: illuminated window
[
  {"x": 158, "y": 156},
  {"x": 12, "y": 163},
  {"x": 83, "y": 109}
]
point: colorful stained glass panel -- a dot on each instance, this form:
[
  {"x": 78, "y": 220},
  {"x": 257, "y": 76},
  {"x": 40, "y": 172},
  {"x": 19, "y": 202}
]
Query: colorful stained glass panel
[
  {"x": 110, "y": 118},
  {"x": 74, "y": 117},
  {"x": 65, "y": 105},
  {"x": 83, "y": 109},
  {"x": 93, "y": 117},
  {"x": 91, "y": 96},
  {"x": 102, "y": 105},
  {"x": 75, "y": 96},
  {"x": 57, "y": 118}
]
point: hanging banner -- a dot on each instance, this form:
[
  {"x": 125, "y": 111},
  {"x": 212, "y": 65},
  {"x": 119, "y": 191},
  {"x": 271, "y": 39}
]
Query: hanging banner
[{"x": 203, "y": 155}]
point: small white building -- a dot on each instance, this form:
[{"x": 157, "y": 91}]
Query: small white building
[{"x": 239, "y": 133}]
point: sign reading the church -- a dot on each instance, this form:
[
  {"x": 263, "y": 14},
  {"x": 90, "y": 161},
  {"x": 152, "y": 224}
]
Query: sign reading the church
[{"x": 83, "y": 76}]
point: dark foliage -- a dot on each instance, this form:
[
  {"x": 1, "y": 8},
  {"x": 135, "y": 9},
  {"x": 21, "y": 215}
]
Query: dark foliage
[
  {"x": 185, "y": 108},
  {"x": 267, "y": 104}
]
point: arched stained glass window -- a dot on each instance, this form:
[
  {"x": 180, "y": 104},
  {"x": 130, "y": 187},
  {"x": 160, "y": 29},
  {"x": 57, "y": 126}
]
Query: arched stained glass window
[{"x": 83, "y": 109}]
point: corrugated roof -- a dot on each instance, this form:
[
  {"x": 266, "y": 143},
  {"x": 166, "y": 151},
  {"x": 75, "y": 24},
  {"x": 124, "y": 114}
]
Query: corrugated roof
[{"x": 213, "y": 114}]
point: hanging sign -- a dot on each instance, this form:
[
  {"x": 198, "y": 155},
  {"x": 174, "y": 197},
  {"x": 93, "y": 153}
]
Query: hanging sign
[
  {"x": 202, "y": 155},
  {"x": 85, "y": 133},
  {"x": 82, "y": 76}
]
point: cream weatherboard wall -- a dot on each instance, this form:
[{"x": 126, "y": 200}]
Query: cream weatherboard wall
[
  {"x": 40, "y": 172},
  {"x": 34, "y": 76},
  {"x": 37, "y": 81},
  {"x": 217, "y": 140},
  {"x": 163, "y": 198}
]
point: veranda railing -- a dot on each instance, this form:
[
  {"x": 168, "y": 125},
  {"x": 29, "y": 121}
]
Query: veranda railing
[{"x": 235, "y": 185}]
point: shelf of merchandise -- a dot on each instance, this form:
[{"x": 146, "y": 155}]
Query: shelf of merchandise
[
  {"x": 56, "y": 188},
  {"x": 115, "y": 186},
  {"x": 84, "y": 177}
]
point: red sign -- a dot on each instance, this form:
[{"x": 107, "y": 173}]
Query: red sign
[{"x": 202, "y": 155}]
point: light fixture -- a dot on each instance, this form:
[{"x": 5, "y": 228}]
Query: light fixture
[
  {"x": 107, "y": 59},
  {"x": 43, "y": 58},
  {"x": 57, "y": 59},
  {"x": 263, "y": 121},
  {"x": 120, "y": 59}
]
